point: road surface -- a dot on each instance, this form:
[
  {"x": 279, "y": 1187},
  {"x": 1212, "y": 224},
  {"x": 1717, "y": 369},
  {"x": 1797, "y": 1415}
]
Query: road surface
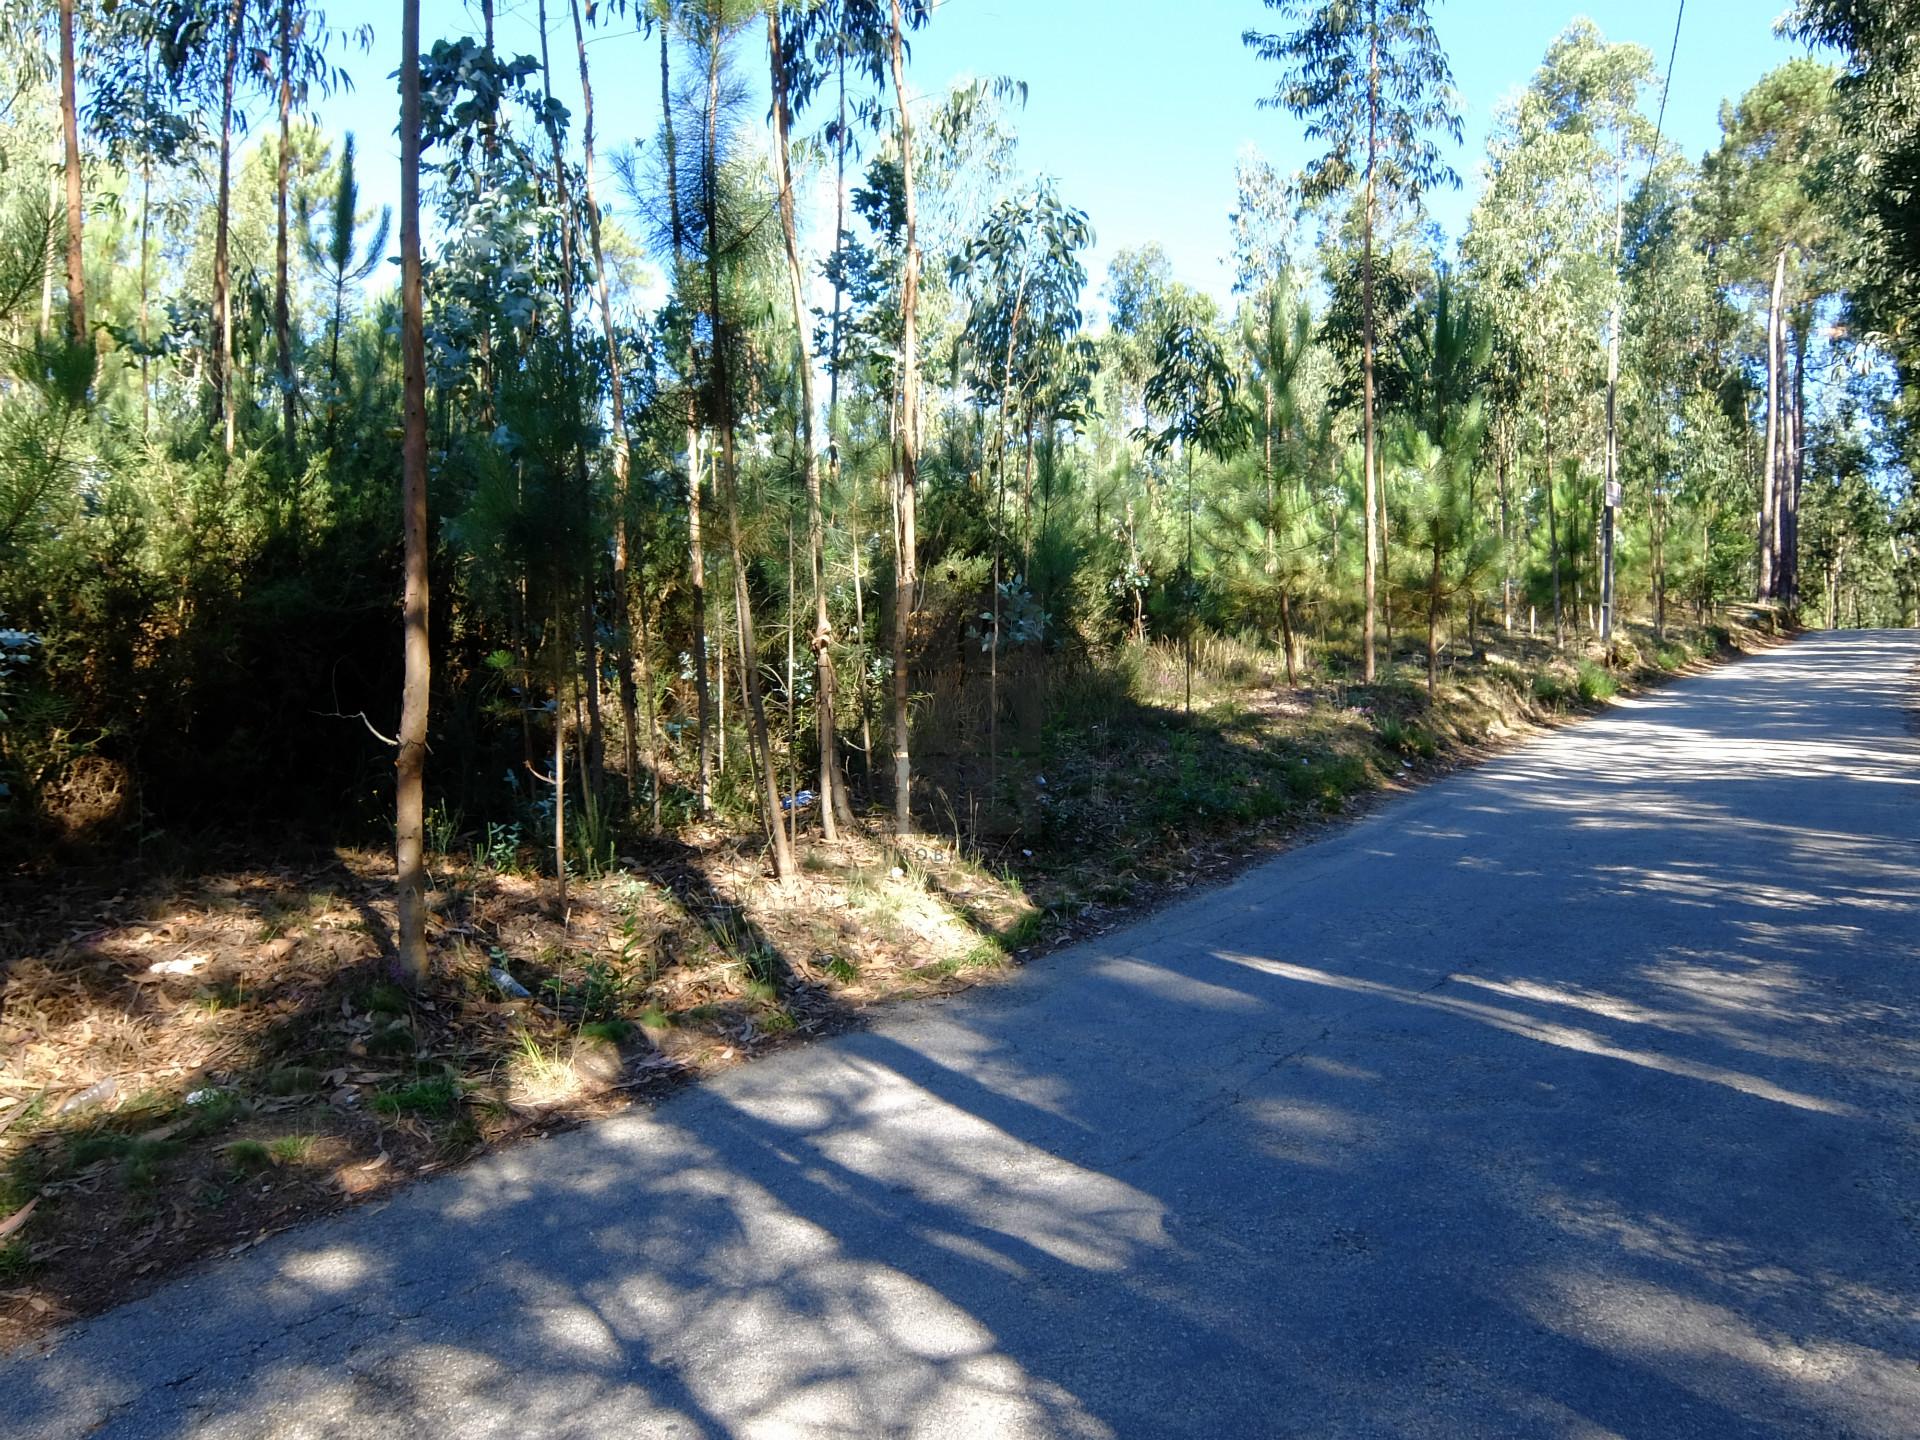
[{"x": 1574, "y": 1095}]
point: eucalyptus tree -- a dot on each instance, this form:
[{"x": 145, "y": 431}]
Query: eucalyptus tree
[
  {"x": 132, "y": 117},
  {"x": 1372, "y": 83},
  {"x": 837, "y": 37},
  {"x": 1537, "y": 254},
  {"x": 1193, "y": 393},
  {"x": 1022, "y": 275},
  {"x": 1871, "y": 179},
  {"x": 1262, "y": 223},
  {"x": 202, "y": 42},
  {"x": 901, "y": 15},
  {"x": 1590, "y": 90},
  {"x": 1675, "y": 374},
  {"x": 1777, "y": 235}
]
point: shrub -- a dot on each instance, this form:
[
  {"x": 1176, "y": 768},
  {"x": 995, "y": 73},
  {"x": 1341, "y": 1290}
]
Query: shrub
[{"x": 1596, "y": 683}]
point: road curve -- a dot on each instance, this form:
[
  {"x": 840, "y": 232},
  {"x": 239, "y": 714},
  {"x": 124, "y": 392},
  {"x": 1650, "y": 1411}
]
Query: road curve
[{"x": 1574, "y": 1095}]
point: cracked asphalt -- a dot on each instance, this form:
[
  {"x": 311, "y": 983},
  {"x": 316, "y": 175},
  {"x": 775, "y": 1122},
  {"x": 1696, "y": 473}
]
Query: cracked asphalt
[{"x": 1573, "y": 1095}]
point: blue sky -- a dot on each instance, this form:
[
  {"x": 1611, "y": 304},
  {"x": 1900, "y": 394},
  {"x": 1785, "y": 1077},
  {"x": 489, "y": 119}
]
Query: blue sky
[{"x": 1138, "y": 109}]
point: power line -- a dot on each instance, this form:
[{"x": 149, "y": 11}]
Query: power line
[{"x": 1666, "y": 90}]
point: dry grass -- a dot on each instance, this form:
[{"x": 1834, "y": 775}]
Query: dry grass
[{"x": 190, "y": 1062}]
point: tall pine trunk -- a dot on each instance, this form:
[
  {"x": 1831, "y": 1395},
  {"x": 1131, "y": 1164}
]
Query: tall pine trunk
[
  {"x": 410, "y": 765},
  {"x": 696, "y": 551},
  {"x": 622, "y": 599},
  {"x": 906, "y": 541},
  {"x": 720, "y": 374},
  {"x": 834, "y": 807},
  {"x": 589, "y": 646}
]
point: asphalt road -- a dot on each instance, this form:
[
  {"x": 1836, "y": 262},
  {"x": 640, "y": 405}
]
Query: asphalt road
[{"x": 1575, "y": 1095}]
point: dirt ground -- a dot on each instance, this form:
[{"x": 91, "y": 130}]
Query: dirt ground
[{"x": 193, "y": 1060}]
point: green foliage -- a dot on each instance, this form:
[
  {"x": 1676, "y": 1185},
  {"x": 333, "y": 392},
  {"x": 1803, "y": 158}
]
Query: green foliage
[
  {"x": 1595, "y": 683},
  {"x": 435, "y": 1095},
  {"x": 195, "y": 639}
]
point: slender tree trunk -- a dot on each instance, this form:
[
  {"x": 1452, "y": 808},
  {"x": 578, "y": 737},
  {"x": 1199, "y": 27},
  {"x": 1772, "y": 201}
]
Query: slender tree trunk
[
  {"x": 282, "y": 304},
  {"x": 1658, "y": 521},
  {"x": 1272, "y": 559},
  {"x": 1433, "y": 624},
  {"x": 833, "y": 413},
  {"x": 410, "y": 767},
  {"x": 559, "y": 785},
  {"x": 490, "y": 155},
  {"x": 1504, "y": 461},
  {"x": 220, "y": 349},
  {"x": 595, "y": 746},
  {"x": 1610, "y": 468},
  {"x": 1768, "y": 585},
  {"x": 1553, "y": 514},
  {"x": 906, "y": 488},
  {"x": 1795, "y": 461},
  {"x": 696, "y": 545},
  {"x": 999, "y": 542},
  {"x": 1186, "y": 600},
  {"x": 834, "y": 806},
  {"x": 1366, "y": 356},
  {"x": 622, "y": 456},
  {"x": 70, "y": 128},
  {"x": 146, "y": 287},
  {"x": 653, "y": 720},
  {"x": 1286, "y": 633},
  {"x": 758, "y": 735},
  {"x": 793, "y": 722},
  {"x": 56, "y": 175}
]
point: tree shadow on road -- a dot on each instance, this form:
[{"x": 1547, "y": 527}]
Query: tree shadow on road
[{"x": 1537, "y": 1104}]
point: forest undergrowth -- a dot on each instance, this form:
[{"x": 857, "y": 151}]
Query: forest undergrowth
[{"x": 207, "y": 1046}]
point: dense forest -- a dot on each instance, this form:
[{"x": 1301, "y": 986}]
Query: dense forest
[{"x": 647, "y": 494}]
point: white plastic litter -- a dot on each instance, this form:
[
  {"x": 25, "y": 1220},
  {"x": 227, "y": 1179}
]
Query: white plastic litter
[
  {"x": 185, "y": 965},
  {"x": 98, "y": 1093}
]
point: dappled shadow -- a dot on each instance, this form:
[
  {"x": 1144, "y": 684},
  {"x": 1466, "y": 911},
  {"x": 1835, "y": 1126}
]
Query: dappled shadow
[{"x": 1571, "y": 1096}]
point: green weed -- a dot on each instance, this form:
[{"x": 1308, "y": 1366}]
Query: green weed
[
  {"x": 1596, "y": 683},
  {"x": 437, "y": 1095}
]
